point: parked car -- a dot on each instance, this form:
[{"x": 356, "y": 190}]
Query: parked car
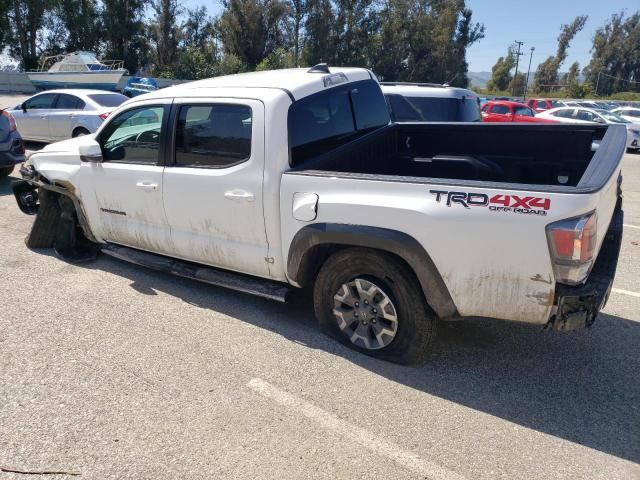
[
  {"x": 428, "y": 102},
  {"x": 60, "y": 114},
  {"x": 11, "y": 144},
  {"x": 628, "y": 113},
  {"x": 595, "y": 115},
  {"x": 540, "y": 105},
  {"x": 507, "y": 111},
  {"x": 269, "y": 181},
  {"x": 139, "y": 86}
]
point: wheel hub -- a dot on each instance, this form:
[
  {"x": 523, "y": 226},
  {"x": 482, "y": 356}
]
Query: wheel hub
[{"x": 365, "y": 314}]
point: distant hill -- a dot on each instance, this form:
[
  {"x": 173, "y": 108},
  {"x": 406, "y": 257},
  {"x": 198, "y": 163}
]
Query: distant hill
[{"x": 479, "y": 79}]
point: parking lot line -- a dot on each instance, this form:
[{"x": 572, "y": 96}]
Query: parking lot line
[
  {"x": 625, "y": 292},
  {"x": 366, "y": 439},
  {"x": 626, "y": 225}
]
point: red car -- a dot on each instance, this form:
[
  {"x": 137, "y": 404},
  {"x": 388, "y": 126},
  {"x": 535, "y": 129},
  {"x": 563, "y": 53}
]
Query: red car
[
  {"x": 541, "y": 104},
  {"x": 507, "y": 111}
]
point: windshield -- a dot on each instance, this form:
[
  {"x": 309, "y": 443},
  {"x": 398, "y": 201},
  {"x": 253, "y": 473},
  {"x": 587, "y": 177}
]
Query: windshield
[
  {"x": 612, "y": 117},
  {"x": 108, "y": 99},
  {"x": 434, "y": 109}
]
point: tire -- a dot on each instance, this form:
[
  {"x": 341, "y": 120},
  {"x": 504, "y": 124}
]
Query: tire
[
  {"x": 358, "y": 274},
  {"x": 79, "y": 132},
  {"x": 5, "y": 171},
  {"x": 43, "y": 231}
]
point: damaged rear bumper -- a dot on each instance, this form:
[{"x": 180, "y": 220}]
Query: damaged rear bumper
[{"x": 578, "y": 306}]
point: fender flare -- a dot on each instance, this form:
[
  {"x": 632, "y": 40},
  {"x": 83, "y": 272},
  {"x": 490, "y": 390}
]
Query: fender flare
[{"x": 306, "y": 256}]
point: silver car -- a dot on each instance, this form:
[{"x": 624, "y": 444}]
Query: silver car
[{"x": 60, "y": 114}]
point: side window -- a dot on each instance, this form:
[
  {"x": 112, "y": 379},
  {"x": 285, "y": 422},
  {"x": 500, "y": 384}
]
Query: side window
[
  {"x": 500, "y": 109},
  {"x": 69, "y": 102},
  {"x": 133, "y": 136},
  {"x": 584, "y": 115},
  {"x": 524, "y": 111},
  {"x": 41, "y": 101},
  {"x": 213, "y": 136}
]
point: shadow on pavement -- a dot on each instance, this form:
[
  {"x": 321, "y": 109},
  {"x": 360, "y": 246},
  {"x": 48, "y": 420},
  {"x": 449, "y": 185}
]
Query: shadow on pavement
[{"x": 583, "y": 386}]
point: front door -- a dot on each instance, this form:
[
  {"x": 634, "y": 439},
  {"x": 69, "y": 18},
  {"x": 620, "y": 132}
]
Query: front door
[
  {"x": 123, "y": 194},
  {"x": 33, "y": 123},
  {"x": 213, "y": 185}
]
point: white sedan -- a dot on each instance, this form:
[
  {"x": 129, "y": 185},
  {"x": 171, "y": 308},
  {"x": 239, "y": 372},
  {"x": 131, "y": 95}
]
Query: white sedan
[
  {"x": 60, "y": 114},
  {"x": 594, "y": 115},
  {"x": 628, "y": 113}
]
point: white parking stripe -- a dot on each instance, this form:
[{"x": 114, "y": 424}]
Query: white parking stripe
[
  {"x": 366, "y": 439},
  {"x": 625, "y": 292},
  {"x": 626, "y": 225}
]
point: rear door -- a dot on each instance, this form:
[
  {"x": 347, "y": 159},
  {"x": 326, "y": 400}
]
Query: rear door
[
  {"x": 62, "y": 118},
  {"x": 34, "y": 123},
  {"x": 213, "y": 183}
]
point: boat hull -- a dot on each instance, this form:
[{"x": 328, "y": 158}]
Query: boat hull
[{"x": 101, "y": 80}]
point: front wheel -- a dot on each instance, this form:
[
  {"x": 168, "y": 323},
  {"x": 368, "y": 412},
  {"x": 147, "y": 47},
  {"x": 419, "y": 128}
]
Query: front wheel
[{"x": 372, "y": 302}]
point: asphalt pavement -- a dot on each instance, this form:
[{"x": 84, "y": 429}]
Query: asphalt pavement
[{"x": 112, "y": 371}]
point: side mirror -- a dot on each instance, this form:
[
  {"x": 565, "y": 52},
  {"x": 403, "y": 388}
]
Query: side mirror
[
  {"x": 23, "y": 105},
  {"x": 90, "y": 151}
]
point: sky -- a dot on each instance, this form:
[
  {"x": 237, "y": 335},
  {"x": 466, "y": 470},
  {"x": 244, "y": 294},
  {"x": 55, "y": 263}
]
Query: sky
[{"x": 534, "y": 22}]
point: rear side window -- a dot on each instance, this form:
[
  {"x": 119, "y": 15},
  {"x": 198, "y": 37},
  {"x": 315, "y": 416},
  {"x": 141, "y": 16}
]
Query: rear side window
[
  {"x": 108, "y": 99},
  {"x": 69, "y": 102},
  {"x": 500, "y": 109},
  {"x": 213, "y": 136},
  {"x": 334, "y": 117}
]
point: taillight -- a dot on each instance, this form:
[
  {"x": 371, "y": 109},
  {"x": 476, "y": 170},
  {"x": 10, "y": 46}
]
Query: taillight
[
  {"x": 572, "y": 243},
  {"x": 104, "y": 116},
  {"x": 9, "y": 117}
]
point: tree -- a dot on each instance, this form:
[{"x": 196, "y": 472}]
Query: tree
[
  {"x": 425, "y": 40},
  {"x": 125, "y": 33},
  {"x": 319, "y": 45},
  {"x": 165, "y": 33},
  {"x": 81, "y": 19},
  {"x": 198, "y": 29},
  {"x": 547, "y": 72},
  {"x": 501, "y": 72},
  {"x": 615, "y": 55},
  {"x": 242, "y": 28},
  {"x": 26, "y": 19},
  {"x": 296, "y": 15}
]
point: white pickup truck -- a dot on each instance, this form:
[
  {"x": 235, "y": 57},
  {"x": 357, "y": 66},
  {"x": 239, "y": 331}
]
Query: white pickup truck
[{"x": 297, "y": 178}]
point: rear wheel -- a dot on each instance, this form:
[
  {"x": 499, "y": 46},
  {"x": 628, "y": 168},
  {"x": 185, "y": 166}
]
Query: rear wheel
[
  {"x": 79, "y": 132},
  {"x": 372, "y": 302}
]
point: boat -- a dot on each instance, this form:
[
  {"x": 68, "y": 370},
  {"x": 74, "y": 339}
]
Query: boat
[{"x": 77, "y": 70}]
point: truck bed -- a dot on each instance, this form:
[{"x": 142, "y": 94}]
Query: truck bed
[{"x": 569, "y": 158}]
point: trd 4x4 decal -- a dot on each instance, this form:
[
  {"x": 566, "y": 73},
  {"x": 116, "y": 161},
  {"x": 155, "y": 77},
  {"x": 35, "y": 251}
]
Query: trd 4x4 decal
[{"x": 498, "y": 203}]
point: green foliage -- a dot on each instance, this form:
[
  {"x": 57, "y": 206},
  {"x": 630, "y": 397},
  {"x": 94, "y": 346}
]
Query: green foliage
[
  {"x": 279, "y": 58},
  {"x": 501, "y": 72},
  {"x": 547, "y": 72},
  {"x": 615, "y": 60},
  {"x": 164, "y": 34},
  {"x": 125, "y": 33}
]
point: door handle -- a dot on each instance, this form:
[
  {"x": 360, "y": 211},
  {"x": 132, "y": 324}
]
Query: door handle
[
  {"x": 149, "y": 186},
  {"x": 240, "y": 195}
]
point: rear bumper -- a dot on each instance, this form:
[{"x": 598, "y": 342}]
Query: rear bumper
[
  {"x": 15, "y": 153},
  {"x": 578, "y": 306}
]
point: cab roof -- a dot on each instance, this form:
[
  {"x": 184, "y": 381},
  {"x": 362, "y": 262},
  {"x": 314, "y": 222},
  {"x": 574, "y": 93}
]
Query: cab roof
[{"x": 295, "y": 82}]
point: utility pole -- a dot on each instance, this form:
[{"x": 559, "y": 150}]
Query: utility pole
[
  {"x": 526, "y": 85},
  {"x": 515, "y": 77}
]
